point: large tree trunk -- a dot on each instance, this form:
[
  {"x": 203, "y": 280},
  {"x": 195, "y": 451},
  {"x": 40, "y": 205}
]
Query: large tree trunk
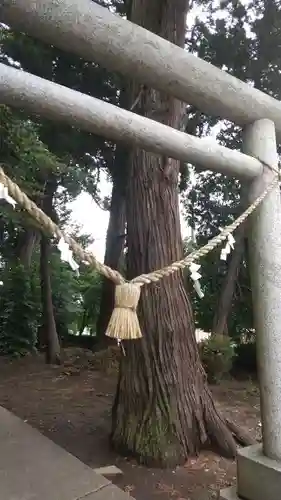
[
  {"x": 163, "y": 409},
  {"x": 115, "y": 239},
  {"x": 228, "y": 287}
]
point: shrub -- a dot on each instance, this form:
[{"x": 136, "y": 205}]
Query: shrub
[
  {"x": 245, "y": 358},
  {"x": 217, "y": 354},
  {"x": 18, "y": 311}
]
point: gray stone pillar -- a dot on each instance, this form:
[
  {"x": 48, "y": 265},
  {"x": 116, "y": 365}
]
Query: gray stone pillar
[
  {"x": 259, "y": 466},
  {"x": 265, "y": 266}
]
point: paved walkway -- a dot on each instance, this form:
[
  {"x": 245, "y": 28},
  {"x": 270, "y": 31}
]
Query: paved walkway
[{"x": 32, "y": 467}]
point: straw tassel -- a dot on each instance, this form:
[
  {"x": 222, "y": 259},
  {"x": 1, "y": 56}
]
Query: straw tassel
[{"x": 124, "y": 323}]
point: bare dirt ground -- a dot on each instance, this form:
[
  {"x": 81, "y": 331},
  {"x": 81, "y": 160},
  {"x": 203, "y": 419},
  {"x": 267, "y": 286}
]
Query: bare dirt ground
[{"x": 71, "y": 405}]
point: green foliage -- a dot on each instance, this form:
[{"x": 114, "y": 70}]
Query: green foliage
[
  {"x": 245, "y": 40},
  {"x": 85, "y": 154},
  {"x": 217, "y": 354},
  {"x": 76, "y": 302},
  {"x": 19, "y": 310},
  {"x": 33, "y": 149},
  {"x": 90, "y": 289},
  {"x": 66, "y": 296},
  {"x": 23, "y": 154},
  {"x": 27, "y": 161}
]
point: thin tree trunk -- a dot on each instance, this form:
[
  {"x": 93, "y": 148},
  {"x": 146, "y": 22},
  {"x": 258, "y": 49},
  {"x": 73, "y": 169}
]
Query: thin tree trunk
[
  {"x": 25, "y": 246},
  {"x": 115, "y": 239},
  {"x": 83, "y": 323},
  {"x": 228, "y": 287},
  {"x": 49, "y": 328},
  {"x": 49, "y": 324},
  {"x": 163, "y": 410}
]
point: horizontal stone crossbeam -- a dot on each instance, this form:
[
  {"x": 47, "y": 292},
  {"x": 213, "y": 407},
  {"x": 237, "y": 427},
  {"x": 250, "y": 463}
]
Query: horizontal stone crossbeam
[
  {"x": 50, "y": 100},
  {"x": 94, "y": 33}
]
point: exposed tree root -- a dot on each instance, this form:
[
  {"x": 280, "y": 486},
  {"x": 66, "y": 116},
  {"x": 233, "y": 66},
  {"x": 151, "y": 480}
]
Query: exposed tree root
[
  {"x": 241, "y": 437},
  {"x": 220, "y": 437},
  {"x": 223, "y": 434}
]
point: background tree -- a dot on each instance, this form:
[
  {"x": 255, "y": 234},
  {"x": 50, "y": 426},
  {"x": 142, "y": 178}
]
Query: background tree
[
  {"x": 29, "y": 162},
  {"x": 87, "y": 154},
  {"x": 239, "y": 38}
]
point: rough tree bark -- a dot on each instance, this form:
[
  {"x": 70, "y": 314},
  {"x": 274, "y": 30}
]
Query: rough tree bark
[
  {"x": 163, "y": 409},
  {"x": 115, "y": 238},
  {"x": 49, "y": 330},
  {"x": 229, "y": 283}
]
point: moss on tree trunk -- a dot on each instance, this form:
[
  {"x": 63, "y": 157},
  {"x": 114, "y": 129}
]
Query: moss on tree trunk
[{"x": 163, "y": 409}]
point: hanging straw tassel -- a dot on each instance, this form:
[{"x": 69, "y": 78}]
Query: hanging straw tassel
[{"x": 124, "y": 323}]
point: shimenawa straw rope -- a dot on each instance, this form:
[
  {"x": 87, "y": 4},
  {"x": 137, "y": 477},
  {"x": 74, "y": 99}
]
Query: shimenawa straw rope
[{"x": 124, "y": 323}]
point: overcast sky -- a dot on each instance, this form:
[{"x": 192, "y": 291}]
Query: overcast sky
[{"x": 94, "y": 221}]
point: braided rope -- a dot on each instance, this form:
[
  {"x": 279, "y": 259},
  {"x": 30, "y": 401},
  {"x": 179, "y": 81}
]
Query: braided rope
[
  {"x": 51, "y": 228},
  {"x": 213, "y": 243}
]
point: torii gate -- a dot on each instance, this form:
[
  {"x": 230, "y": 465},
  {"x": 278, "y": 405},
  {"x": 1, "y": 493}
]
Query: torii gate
[{"x": 91, "y": 31}]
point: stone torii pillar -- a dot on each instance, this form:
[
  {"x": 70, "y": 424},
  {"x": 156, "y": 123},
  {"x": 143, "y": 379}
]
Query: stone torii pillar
[{"x": 259, "y": 466}]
